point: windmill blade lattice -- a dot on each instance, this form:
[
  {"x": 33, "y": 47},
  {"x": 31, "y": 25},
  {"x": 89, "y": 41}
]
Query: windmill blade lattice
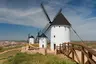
[
  {"x": 45, "y": 12},
  {"x": 45, "y": 28}
]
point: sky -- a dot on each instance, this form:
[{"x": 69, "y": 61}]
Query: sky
[{"x": 18, "y": 18}]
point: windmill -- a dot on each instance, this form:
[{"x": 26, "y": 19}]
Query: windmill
[
  {"x": 59, "y": 29},
  {"x": 57, "y": 37},
  {"x": 30, "y": 39}
]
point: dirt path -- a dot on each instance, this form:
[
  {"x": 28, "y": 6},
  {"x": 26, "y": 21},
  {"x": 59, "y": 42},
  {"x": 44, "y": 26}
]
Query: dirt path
[{"x": 10, "y": 50}]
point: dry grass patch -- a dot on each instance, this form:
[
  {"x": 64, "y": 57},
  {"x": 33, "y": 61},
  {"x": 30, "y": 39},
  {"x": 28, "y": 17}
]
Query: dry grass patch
[{"x": 23, "y": 58}]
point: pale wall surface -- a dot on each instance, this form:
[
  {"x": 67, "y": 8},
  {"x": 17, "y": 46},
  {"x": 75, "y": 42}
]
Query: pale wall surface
[
  {"x": 59, "y": 35},
  {"x": 31, "y": 40},
  {"x": 42, "y": 41}
]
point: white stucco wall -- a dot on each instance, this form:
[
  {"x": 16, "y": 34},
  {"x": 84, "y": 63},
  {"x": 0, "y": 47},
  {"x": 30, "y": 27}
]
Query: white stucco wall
[
  {"x": 31, "y": 40},
  {"x": 59, "y": 35},
  {"x": 42, "y": 42}
]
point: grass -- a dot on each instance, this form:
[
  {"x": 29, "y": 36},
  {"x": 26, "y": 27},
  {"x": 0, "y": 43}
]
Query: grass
[
  {"x": 10, "y": 54},
  {"x": 8, "y": 48},
  {"x": 92, "y": 45},
  {"x": 88, "y": 43},
  {"x": 23, "y": 58}
]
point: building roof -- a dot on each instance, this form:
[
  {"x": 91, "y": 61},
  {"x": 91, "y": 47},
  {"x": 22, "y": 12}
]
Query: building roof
[
  {"x": 31, "y": 36},
  {"x": 43, "y": 35},
  {"x": 60, "y": 20}
]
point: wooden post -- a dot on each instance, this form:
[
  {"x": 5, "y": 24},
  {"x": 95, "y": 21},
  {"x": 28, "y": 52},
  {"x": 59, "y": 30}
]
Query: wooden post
[
  {"x": 45, "y": 51},
  {"x": 72, "y": 52},
  {"x": 56, "y": 49},
  {"x": 90, "y": 56},
  {"x": 65, "y": 46},
  {"x": 68, "y": 47},
  {"x": 60, "y": 48},
  {"x": 82, "y": 56}
]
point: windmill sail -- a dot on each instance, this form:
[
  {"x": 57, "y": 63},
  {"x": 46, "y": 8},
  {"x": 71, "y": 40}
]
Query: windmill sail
[
  {"x": 38, "y": 34},
  {"x": 28, "y": 38},
  {"x": 45, "y": 28},
  {"x": 45, "y": 12},
  {"x": 49, "y": 24}
]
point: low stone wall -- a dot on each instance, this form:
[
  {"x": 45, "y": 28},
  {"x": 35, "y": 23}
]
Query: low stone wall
[{"x": 40, "y": 50}]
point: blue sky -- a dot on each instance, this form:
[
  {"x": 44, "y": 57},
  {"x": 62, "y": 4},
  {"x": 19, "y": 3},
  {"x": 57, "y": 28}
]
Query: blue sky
[
  {"x": 15, "y": 32},
  {"x": 20, "y": 17}
]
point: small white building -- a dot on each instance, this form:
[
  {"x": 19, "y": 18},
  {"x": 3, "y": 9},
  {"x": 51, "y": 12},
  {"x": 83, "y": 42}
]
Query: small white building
[
  {"x": 59, "y": 31},
  {"x": 31, "y": 39},
  {"x": 43, "y": 41}
]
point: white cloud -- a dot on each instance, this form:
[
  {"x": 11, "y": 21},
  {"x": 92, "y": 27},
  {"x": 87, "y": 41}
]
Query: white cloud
[
  {"x": 32, "y": 17},
  {"x": 85, "y": 27}
]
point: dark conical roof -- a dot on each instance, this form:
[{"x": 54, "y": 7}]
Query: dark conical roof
[
  {"x": 43, "y": 35},
  {"x": 60, "y": 20},
  {"x": 31, "y": 36}
]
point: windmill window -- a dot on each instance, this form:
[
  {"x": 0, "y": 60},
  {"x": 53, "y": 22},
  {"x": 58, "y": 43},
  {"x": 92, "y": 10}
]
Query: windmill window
[
  {"x": 54, "y": 46},
  {"x": 54, "y": 36}
]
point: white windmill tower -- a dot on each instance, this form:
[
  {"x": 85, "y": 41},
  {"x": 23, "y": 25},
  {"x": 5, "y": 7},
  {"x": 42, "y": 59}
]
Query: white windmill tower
[
  {"x": 43, "y": 41},
  {"x": 31, "y": 39},
  {"x": 59, "y": 29}
]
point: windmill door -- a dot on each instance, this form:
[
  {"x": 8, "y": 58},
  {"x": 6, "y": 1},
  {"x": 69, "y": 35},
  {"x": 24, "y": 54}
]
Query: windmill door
[
  {"x": 42, "y": 46},
  {"x": 54, "y": 46}
]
